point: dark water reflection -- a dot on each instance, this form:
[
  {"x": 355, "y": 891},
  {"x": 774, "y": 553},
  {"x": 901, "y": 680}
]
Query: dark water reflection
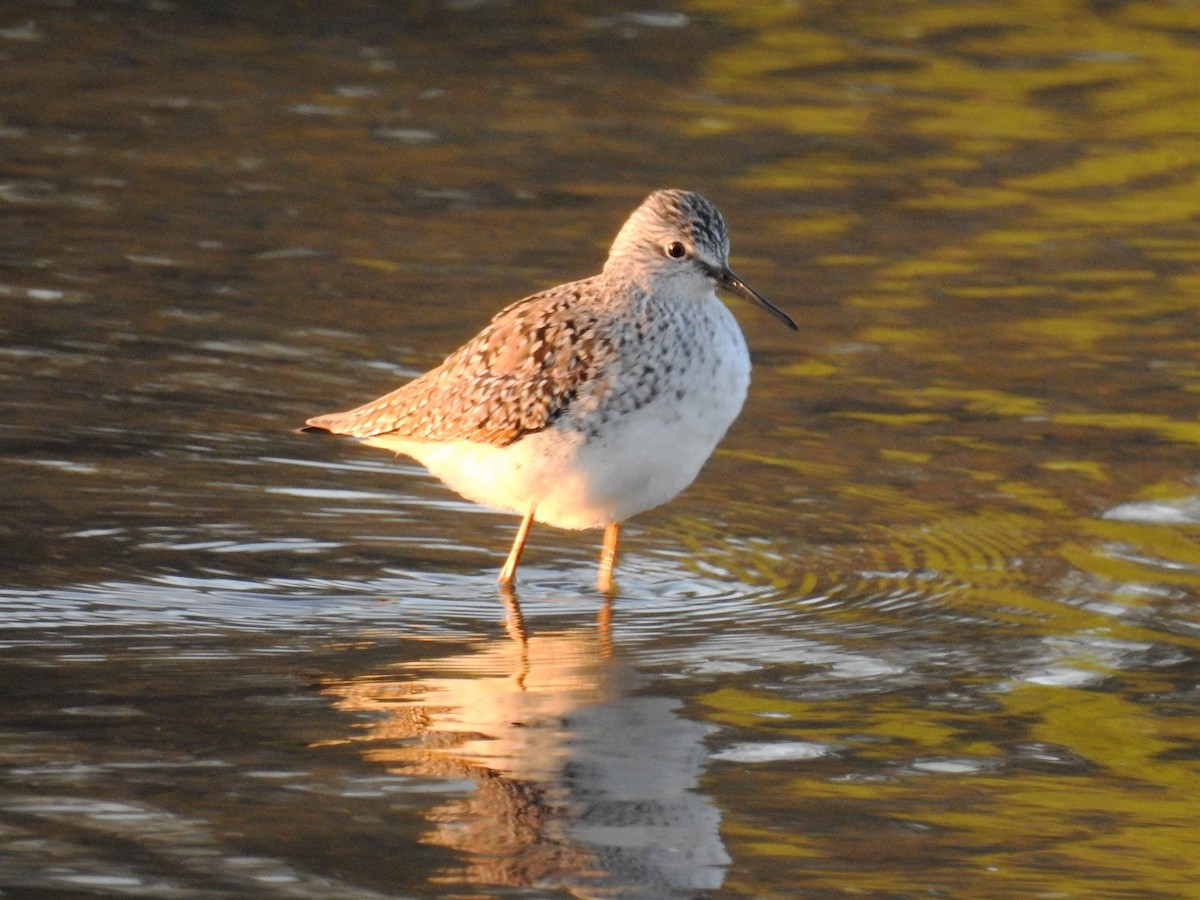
[{"x": 927, "y": 624}]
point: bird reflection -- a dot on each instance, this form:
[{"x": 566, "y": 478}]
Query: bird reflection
[
  {"x": 578, "y": 782},
  {"x": 514, "y": 622}
]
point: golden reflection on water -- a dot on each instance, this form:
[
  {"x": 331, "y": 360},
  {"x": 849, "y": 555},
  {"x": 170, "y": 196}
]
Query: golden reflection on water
[{"x": 1013, "y": 364}]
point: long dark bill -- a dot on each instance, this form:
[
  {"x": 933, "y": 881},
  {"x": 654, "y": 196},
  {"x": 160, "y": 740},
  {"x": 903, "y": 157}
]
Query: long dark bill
[{"x": 729, "y": 281}]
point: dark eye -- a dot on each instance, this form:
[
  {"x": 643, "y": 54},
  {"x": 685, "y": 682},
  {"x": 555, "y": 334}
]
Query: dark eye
[{"x": 676, "y": 250}]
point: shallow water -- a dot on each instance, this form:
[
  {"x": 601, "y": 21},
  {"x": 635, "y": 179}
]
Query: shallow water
[{"x": 927, "y": 623}]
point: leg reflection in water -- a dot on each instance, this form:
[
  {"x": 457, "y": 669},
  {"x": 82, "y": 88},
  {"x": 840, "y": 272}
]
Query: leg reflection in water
[{"x": 578, "y": 781}]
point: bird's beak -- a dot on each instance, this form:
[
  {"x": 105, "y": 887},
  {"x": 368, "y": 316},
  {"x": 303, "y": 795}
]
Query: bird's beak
[{"x": 729, "y": 281}]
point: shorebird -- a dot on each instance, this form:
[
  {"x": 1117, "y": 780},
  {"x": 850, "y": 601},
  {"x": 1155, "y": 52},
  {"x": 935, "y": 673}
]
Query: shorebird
[{"x": 590, "y": 402}]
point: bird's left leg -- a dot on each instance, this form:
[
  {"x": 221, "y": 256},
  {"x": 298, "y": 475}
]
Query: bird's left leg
[{"x": 509, "y": 572}]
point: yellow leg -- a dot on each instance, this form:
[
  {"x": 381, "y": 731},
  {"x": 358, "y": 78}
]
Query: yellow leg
[
  {"x": 509, "y": 572},
  {"x": 608, "y": 558}
]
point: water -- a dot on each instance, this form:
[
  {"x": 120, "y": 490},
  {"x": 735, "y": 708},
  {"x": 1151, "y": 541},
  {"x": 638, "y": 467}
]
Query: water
[{"x": 928, "y": 622}]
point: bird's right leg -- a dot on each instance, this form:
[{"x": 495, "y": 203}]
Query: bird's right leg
[{"x": 608, "y": 558}]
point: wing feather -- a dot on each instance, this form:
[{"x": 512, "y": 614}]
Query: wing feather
[{"x": 514, "y": 378}]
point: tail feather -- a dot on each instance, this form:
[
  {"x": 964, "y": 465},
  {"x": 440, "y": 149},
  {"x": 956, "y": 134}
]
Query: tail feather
[{"x": 326, "y": 424}]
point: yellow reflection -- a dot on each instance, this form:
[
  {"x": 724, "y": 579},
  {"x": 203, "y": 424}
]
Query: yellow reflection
[
  {"x": 1108, "y": 169},
  {"x": 1093, "y": 470},
  {"x": 1172, "y": 429},
  {"x": 810, "y": 368},
  {"x": 576, "y": 780}
]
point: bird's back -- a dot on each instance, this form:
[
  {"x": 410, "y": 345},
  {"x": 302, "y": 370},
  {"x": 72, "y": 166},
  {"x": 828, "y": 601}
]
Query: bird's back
[{"x": 514, "y": 378}]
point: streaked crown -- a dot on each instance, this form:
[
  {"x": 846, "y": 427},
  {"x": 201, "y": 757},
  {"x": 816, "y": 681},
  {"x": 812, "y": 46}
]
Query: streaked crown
[{"x": 667, "y": 216}]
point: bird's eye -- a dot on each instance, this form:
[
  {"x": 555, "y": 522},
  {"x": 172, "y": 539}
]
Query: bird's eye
[{"x": 676, "y": 250}]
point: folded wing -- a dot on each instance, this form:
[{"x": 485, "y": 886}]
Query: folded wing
[{"x": 516, "y": 377}]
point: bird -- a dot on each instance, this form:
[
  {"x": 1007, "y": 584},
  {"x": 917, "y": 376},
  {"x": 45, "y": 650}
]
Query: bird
[{"x": 590, "y": 402}]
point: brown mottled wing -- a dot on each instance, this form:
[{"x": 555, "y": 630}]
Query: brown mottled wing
[{"x": 514, "y": 378}]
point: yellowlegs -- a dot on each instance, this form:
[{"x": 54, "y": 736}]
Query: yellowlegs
[{"x": 590, "y": 402}]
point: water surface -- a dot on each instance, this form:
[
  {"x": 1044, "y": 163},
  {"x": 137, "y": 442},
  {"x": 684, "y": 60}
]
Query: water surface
[{"x": 927, "y": 623}]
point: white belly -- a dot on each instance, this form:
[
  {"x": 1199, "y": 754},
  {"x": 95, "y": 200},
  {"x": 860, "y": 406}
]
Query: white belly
[{"x": 634, "y": 462}]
